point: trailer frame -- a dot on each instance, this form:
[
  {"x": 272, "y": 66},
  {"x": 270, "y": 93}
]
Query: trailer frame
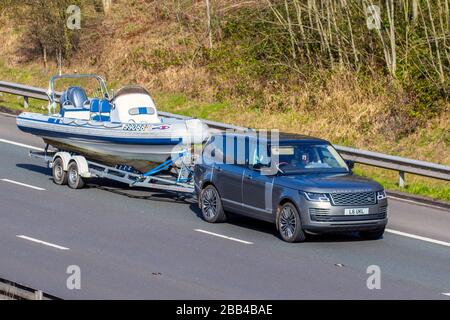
[{"x": 156, "y": 179}]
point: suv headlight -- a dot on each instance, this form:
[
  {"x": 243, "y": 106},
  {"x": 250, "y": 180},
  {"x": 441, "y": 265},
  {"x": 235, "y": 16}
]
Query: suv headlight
[
  {"x": 381, "y": 195},
  {"x": 318, "y": 197}
]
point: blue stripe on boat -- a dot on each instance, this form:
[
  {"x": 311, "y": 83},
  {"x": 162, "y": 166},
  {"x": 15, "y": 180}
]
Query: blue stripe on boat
[
  {"x": 56, "y": 134},
  {"x": 58, "y": 122}
]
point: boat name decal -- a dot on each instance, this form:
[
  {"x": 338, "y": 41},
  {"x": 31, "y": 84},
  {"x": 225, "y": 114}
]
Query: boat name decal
[{"x": 161, "y": 127}]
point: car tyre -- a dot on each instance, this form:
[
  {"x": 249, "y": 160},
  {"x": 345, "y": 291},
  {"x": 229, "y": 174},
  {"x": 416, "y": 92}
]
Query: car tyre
[
  {"x": 289, "y": 223},
  {"x": 74, "y": 180},
  {"x": 211, "y": 205},
  {"x": 372, "y": 235},
  {"x": 58, "y": 173}
]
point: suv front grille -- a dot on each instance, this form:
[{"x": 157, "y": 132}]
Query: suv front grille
[{"x": 354, "y": 199}]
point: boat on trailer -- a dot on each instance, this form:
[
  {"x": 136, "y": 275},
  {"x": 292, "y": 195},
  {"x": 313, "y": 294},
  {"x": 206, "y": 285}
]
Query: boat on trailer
[{"x": 124, "y": 129}]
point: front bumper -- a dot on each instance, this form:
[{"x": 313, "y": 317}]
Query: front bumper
[{"x": 325, "y": 217}]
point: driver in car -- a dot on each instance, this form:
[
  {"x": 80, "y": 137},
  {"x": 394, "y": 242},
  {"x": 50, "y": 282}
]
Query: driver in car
[{"x": 301, "y": 158}]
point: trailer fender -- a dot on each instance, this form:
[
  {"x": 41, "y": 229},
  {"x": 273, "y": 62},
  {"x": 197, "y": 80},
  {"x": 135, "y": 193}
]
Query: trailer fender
[
  {"x": 83, "y": 167},
  {"x": 65, "y": 157}
]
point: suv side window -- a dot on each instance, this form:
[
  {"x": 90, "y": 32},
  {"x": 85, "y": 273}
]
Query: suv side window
[
  {"x": 258, "y": 153},
  {"x": 235, "y": 150},
  {"x": 213, "y": 151}
]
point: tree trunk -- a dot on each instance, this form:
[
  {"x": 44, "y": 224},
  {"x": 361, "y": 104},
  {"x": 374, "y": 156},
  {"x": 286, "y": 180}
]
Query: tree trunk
[
  {"x": 390, "y": 11},
  {"x": 415, "y": 11},
  {"x": 44, "y": 55},
  {"x": 106, "y": 6},
  {"x": 291, "y": 32},
  {"x": 208, "y": 17},
  {"x": 59, "y": 59}
]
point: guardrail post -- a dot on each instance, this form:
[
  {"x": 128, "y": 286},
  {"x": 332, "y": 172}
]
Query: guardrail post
[
  {"x": 38, "y": 295},
  {"x": 401, "y": 179},
  {"x": 25, "y": 102}
]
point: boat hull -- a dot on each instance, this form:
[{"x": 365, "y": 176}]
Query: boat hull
[{"x": 110, "y": 144}]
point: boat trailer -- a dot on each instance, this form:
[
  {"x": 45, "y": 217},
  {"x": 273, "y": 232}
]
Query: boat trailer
[{"x": 73, "y": 170}]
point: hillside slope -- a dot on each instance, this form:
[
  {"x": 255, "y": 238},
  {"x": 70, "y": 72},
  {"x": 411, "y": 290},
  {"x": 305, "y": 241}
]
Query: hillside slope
[{"x": 164, "y": 46}]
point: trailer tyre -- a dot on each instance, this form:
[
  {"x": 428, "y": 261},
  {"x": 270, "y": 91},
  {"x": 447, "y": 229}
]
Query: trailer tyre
[
  {"x": 59, "y": 175},
  {"x": 74, "y": 180}
]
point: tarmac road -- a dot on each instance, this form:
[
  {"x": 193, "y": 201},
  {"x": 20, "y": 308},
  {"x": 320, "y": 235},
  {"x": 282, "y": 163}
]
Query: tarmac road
[{"x": 135, "y": 244}]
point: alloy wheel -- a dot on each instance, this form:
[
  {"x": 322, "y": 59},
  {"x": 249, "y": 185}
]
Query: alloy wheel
[
  {"x": 288, "y": 222},
  {"x": 209, "y": 202}
]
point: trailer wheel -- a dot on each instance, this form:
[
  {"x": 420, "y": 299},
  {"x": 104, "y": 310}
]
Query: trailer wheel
[
  {"x": 59, "y": 175},
  {"x": 74, "y": 180}
]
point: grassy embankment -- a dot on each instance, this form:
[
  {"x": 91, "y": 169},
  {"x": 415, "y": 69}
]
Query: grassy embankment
[
  {"x": 179, "y": 103},
  {"x": 238, "y": 82}
]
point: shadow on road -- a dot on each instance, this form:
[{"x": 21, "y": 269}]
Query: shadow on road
[
  {"x": 35, "y": 168},
  {"x": 119, "y": 188},
  {"x": 139, "y": 193},
  {"x": 269, "y": 228},
  {"x": 173, "y": 197}
]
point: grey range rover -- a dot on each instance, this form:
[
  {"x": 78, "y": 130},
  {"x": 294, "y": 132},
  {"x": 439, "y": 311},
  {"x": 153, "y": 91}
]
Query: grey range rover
[{"x": 300, "y": 183}]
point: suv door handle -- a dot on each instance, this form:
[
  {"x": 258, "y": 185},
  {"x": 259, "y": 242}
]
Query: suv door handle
[
  {"x": 249, "y": 176},
  {"x": 219, "y": 169}
]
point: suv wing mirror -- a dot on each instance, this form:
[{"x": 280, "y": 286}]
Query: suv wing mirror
[{"x": 350, "y": 163}]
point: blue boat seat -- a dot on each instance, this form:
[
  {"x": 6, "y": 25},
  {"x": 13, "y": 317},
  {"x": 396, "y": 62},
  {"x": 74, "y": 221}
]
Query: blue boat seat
[
  {"x": 95, "y": 105},
  {"x": 101, "y": 109}
]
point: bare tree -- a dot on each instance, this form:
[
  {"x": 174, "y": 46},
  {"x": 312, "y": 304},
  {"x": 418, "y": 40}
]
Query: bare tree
[{"x": 209, "y": 26}]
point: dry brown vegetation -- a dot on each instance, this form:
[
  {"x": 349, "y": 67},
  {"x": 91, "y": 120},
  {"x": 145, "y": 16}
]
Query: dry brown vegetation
[{"x": 316, "y": 80}]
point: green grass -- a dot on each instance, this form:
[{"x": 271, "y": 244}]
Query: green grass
[
  {"x": 16, "y": 104},
  {"x": 422, "y": 186},
  {"x": 26, "y": 74},
  {"x": 30, "y": 75},
  {"x": 181, "y": 104}
]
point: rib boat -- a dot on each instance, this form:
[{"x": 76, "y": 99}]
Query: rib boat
[{"x": 124, "y": 129}]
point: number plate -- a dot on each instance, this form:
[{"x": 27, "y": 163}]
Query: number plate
[{"x": 356, "y": 211}]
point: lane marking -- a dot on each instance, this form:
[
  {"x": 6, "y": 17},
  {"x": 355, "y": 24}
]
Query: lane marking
[
  {"x": 413, "y": 236},
  {"x": 222, "y": 236},
  {"x": 23, "y": 184},
  {"x": 446, "y": 294},
  {"x": 42, "y": 242},
  {"x": 21, "y": 145},
  {"x": 418, "y": 203},
  {"x": 8, "y": 115}
]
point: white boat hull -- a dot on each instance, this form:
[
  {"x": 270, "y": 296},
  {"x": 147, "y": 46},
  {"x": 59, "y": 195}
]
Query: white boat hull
[{"x": 141, "y": 146}]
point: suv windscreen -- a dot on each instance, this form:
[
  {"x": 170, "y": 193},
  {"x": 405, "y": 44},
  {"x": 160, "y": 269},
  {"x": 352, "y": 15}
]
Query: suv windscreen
[{"x": 307, "y": 158}]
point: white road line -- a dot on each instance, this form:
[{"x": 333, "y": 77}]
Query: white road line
[
  {"x": 42, "y": 242},
  {"x": 413, "y": 236},
  {"x": 8, "y": 115},
  {"x": 222, "y": 236},
  {"x": 417, "y": 202},
  {"x": 23, "y": 184},
  {"x": 21, "y": 145},
  {"x": 446, "y": 294}
]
